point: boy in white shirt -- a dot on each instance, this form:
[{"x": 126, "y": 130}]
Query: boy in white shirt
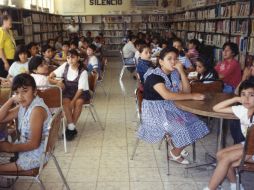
[{"x": 230, "y": 157}]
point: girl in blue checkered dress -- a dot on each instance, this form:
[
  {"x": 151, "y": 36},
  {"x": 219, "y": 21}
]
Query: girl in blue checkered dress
[{"x": 160, "y": 116}]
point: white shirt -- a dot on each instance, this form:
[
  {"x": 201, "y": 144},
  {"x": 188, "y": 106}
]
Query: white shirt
[
  {"x": 18, "y": 68},
  {"x": 73, "y": 29},
  {"x": 40, "y": 80},
  {"x": 93, "y": 61},
  {"x": 129, "y": 50},
  {"x": 137, "y": 56},
  {"x": 72, "y": 75},
  {"x": 242, "y": 113}
]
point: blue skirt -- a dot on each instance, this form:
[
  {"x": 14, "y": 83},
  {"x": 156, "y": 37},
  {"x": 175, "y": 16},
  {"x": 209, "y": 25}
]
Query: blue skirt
[{"x": 162, "y": 116}]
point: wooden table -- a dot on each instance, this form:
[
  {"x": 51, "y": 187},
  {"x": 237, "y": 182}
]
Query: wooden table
[
  {"x": 205, "y": 108},
  {"x": 4, "y": 95}
]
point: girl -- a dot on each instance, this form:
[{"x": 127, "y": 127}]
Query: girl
[
  {"x": 33, "y": 120},
  {"x": 39, "y": 70},
  {"x": 21, "y": 62},
  {"x": 177, "y": 43},
  {"x": 229, "y": 69},
  {"x": 160, "y": 116},
  {"x": 144, "y": 62},
  {"x": 75, "y": 90},
  {"x": 33, "y": 49},
  {"x": 93, "y": 64},
  {"x": 230, "y": 157},
  {"x": 205, "y": 71},
  {"x": 193, "y": 53}
]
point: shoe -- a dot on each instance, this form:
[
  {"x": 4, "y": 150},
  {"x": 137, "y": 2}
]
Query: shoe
[
  {"x": 174, "y": 158},
  {"x": 70, "y": 134},
  {"x": 184, "y": 153}
]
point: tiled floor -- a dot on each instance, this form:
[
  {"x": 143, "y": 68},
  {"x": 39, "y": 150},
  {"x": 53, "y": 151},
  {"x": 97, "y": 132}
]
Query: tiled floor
[{"x": 100, "y": 160}]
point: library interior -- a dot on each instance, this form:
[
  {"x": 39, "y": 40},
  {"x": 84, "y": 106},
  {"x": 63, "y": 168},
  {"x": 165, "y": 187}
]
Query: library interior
[{"x": 127, "y": 94}]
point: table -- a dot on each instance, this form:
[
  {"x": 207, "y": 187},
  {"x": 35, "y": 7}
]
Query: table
[{"x": 205, "y": 108}]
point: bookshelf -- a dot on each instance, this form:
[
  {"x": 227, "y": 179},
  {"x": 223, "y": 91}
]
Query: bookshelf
[
  {"x": 217, "y": 22},
  {"x": 29, "y": 25},
  {"x": 115, "y": 27}
]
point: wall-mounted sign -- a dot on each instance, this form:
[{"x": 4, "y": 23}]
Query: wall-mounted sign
[{"x": 106, "y": 2}]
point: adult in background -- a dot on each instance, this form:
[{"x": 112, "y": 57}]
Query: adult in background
[
  {"x": 73, "y": 29},
  {"x": 7, "y": 45}
]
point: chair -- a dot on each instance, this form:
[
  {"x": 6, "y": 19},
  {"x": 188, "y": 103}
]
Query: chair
[
  {"x": 125, "y": 65},
  {"x": 52, "y": 96},
  {"x": 200, "y": 87},
  {"x": 50, "y": 141},
  {"x": 92, "y": 79},
  {"x": 139, "y": 99},
  {"x": 248, "y": 150},
  {"x": 100, "y": 79}
]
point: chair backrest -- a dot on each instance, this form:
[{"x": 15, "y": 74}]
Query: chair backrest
[
  {"x": 92, "y": 80},
  {"x": 200, "y": 87},
  {"x": 5, "y": 94},
  {"x": 249, "y": 143},
  {"x": 139, "y": 96},
  {"x": 52, "y": 95}
]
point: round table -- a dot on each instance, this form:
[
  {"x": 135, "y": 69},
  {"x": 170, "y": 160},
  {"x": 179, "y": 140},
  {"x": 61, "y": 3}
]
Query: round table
[{"x": 205, "y": 108}]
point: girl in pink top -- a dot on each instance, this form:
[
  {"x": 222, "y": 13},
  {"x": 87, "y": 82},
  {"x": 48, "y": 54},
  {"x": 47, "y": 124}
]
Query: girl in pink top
[{"x": 229, "y": 69}]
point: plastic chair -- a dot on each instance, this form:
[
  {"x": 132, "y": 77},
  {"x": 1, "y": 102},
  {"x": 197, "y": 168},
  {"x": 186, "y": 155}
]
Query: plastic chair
[
  {"x": 92, "y": 79},
  {"x": 248, "y": 150},
  {"x": 52, "y": 96},
  {"x": 50, "y": 142},
  {"x": 125, "y": 65}
]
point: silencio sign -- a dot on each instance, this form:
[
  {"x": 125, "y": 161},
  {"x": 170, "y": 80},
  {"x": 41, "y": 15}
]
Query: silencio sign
[{"x": 106, "y": 2}]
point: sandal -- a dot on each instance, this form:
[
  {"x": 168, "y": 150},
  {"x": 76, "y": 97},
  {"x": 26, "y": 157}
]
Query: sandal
[
  {"x": 174, "y": 158},
  {"x": 184, "y": 153}
]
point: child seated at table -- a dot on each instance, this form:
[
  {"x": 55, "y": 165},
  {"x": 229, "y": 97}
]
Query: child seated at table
[
  {"x": 193, "y": 53},
  {"x": 61, "y": 56},
  {"x": 162, "y": 86},
  {"x": 75, "y": 89},
  {"x": 144, "y": 62},
  {"x": 205, "y": 71},
  {"x": 229, "y": 69},
  {"x": 93, "y": 63},
  {"x": 39, "y": 69},
  {"x": 33, "y": 122},
  {"x": 230, "y": 157},
  {"x": 21, "y": 62},
  {"x": 177, "y": 43}
]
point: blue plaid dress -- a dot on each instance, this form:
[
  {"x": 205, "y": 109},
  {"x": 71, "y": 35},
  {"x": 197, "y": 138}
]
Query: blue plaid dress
[{"x": 162, "y": 116}]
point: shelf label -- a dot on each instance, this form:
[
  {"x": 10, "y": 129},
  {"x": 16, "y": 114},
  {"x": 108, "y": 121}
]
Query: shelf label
[{"x": 106, "y": 2}]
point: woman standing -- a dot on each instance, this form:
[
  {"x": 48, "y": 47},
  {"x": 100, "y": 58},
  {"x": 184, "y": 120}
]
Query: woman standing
[{"x": 7, "y": 45}]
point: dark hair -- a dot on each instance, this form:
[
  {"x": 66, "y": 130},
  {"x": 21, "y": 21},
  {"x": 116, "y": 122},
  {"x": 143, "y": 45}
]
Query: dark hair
[
  {"x": 34, "y": 63},
  {"x": 208, "y": 67},
  {"x": 20, "y": 49},
  {"x": 74, "y": 42},
  {"x": 139, "y": 42},
  {"x": 66, "y": 43},
  {"x": 45, "y": 48},
  {"x": 233, "y": 46},
  {"x": 93, "y": 47},
  {"x": 245, "y": 85},
  {"x": 31, "y": 44},
  {"x": 23, "y": 80},
  {"x": 132, "y": 37},
  {"x": 195, "y": 42},
  {"x": 163, "y": 42},
  {"x": 165, "y": 51},
  {"x": 142, "y": 47},
  {"x": 73, "y": 52},
  {"x": 4, "y": 18},
  {"x": 178, "y": 40}
]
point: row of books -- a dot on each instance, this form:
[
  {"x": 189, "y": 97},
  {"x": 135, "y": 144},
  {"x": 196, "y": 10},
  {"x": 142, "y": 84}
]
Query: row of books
[
  {"x": 239, "y": 26},
  {"x": 113, "y": 33},
  {"x": 113, "y": 40},
  {"x": 251, "y": 46},
  {"x": 159, "y": 26},
  {"x": 252, "y": 27},
  {"x": 113, "y": 26},
  {"x": 46, "y": 18},
  {"x": 27, "y": 20},
  {"x": 94, "y": 33},
  {"x": 241, "y": 9},
  {"x": 28, "y": 39},
  {"x": 91, "y": 27},
  {"x": 242, "y": 42},
  {"x": 223, "y": 26},
  {"x": 28, "y": 30},
  {"x": 135, "y": 26}
]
